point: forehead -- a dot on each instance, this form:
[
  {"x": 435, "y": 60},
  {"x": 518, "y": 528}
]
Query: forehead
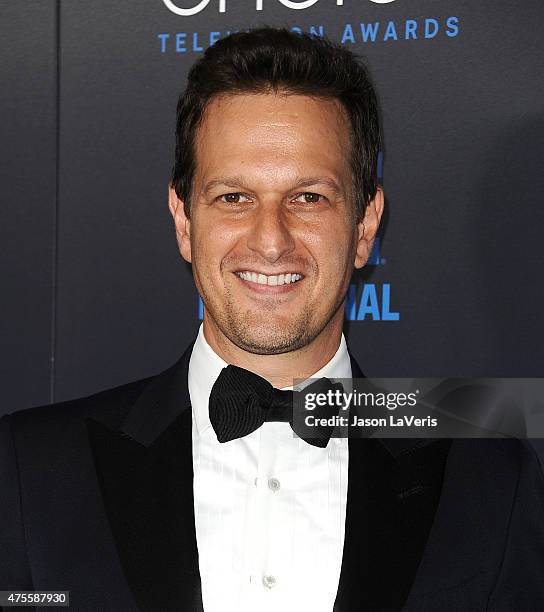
[{"x": 273, "y": 131}]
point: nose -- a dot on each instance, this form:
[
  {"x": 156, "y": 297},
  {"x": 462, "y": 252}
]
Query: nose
[{"x": 269, "y": 235}]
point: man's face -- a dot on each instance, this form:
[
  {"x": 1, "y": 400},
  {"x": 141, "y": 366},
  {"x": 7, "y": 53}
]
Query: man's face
[{"x": 272, "y": 235}]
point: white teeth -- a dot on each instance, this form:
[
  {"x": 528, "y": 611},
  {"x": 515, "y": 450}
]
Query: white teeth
[{"x": 274, "y": 280}]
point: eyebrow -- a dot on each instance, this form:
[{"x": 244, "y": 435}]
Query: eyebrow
[{"x": 237, "y": 182}]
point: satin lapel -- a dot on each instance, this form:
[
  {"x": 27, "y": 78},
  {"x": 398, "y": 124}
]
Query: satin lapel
[
  {"x": 145, "y": 473},
  {"x": 393, "y": 492}
]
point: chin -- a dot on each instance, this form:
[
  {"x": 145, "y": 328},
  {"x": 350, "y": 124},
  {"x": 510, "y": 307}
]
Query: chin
[{"x": 268, "y": 337}]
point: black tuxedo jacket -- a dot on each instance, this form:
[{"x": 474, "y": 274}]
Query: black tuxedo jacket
[{"x": 96, "y": 497}]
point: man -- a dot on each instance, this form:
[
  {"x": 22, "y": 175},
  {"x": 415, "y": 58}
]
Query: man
[{"x": 169, "y": 493}]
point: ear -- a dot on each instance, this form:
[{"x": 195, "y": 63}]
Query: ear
[
  {"x": 368, "y": 227},
  {"x": 182, "y": 223}
]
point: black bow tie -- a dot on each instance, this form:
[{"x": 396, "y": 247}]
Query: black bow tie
[{"x": 241, "y": 401}]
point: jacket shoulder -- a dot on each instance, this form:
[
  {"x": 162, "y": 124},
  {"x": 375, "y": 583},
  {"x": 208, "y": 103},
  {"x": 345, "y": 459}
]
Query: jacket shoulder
[
  {"x": 109, "y": 406},
  {"x": 514, "y": 452}
]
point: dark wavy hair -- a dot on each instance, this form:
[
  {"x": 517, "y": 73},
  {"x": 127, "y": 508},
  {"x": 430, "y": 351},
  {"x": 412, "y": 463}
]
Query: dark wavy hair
[{"x": 275, "y": 59}]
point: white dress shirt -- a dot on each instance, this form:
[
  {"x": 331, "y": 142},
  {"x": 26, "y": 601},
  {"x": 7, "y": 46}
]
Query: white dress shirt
[{"x": 269, "y": 507}]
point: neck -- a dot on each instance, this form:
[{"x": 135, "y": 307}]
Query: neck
[{"x": 280, "y": 369}]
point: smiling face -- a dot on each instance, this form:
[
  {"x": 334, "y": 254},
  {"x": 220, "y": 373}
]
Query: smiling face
[{"x": 272, "y": 235}]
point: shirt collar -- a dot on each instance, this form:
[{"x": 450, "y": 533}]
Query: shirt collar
[{"x": 205, "y": 366}]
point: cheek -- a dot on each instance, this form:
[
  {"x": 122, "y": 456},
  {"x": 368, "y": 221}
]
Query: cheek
[
  {"x": 211, "y": 245},
  {"x": 333, "y": 254}
]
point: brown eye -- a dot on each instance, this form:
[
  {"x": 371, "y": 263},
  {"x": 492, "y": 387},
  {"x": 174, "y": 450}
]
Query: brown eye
[
  {"x": 309, "y": 197},
  {"x": 233, "y": 198}
]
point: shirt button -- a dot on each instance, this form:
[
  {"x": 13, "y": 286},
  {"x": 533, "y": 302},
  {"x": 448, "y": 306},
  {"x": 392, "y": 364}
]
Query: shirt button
[
  {"x": 274, "y": 484},
  {"x": 269, "y": 581}
]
